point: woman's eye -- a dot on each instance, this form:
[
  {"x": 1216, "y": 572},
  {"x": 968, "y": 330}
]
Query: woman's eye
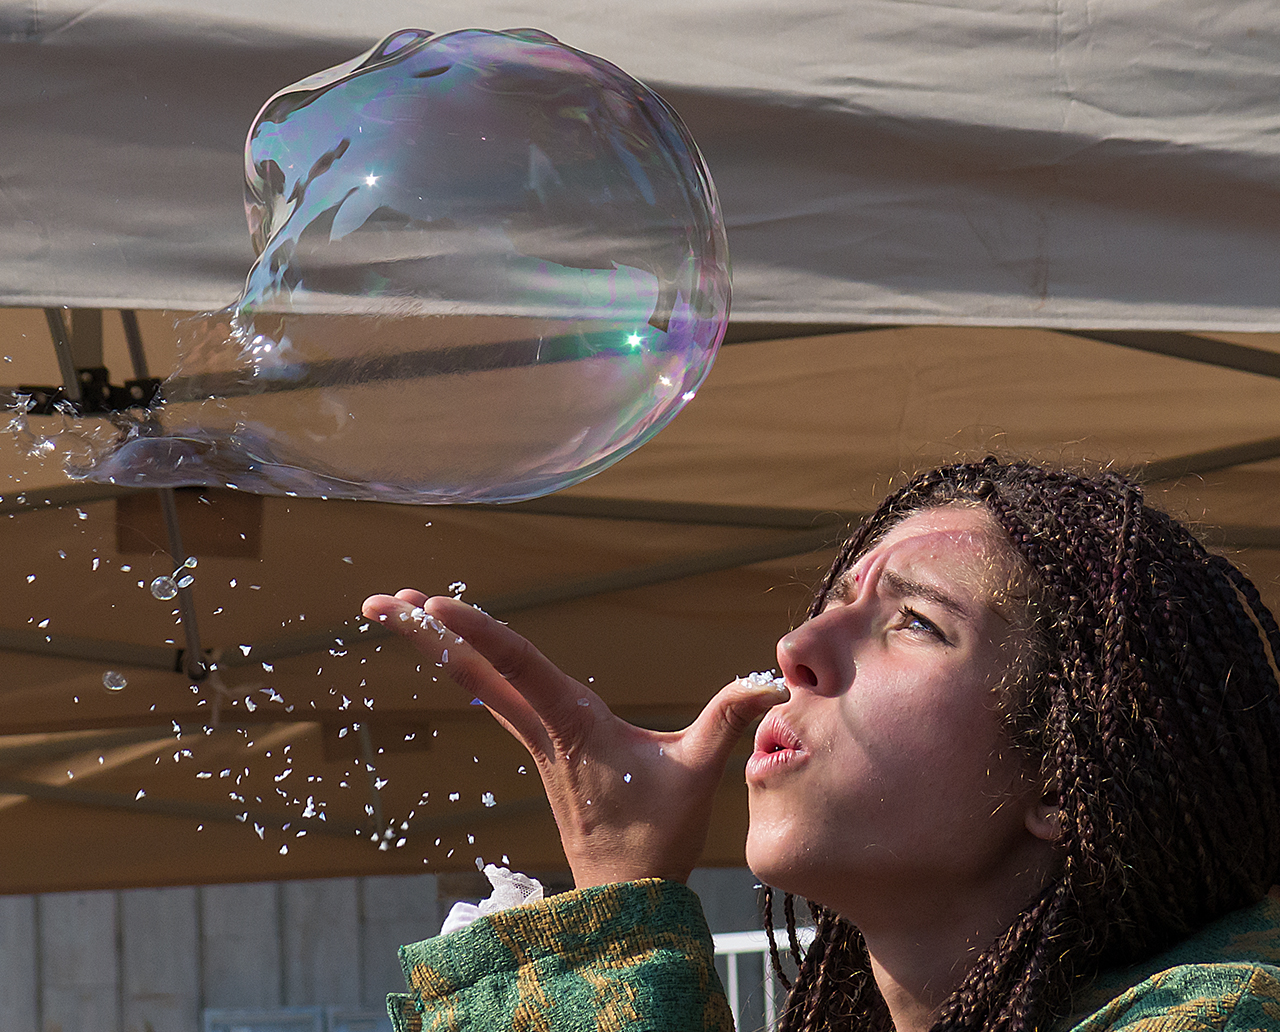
[{"x": 913, "y": 621}]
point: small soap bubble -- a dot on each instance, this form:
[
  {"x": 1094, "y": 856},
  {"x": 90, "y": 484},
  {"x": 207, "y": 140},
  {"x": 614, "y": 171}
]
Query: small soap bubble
[
  {"x": 164, "y": 588},
  {"x": 113, "y": 680},
  {"x": 488, "y": 800},
  {"x": 186, "y": 582},
  {"x": 506, "y": 249}
]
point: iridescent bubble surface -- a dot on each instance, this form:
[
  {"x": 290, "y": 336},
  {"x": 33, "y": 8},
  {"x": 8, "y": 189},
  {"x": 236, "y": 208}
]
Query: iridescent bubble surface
[{"x": 489, "y": 266}]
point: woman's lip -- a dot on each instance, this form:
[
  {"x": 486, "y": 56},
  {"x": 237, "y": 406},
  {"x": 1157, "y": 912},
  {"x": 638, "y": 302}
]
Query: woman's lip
[
  {"x": 777, "y": 747},
  {"x": 761, "y": 765},
  {"x": 774, "y": 734}
]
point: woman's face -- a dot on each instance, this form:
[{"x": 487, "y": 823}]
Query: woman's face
[{"x": 889, "y": 771}]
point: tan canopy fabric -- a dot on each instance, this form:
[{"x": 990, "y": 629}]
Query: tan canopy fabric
[{"x": 660, "y": 579}]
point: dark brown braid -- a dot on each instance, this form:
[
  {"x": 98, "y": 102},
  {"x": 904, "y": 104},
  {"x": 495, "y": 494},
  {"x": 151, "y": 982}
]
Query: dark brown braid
[{"x": 1154, "y": 708}]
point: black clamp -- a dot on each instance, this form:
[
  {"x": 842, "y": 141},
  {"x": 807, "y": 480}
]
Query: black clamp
[{"x": 98, "y": 395}]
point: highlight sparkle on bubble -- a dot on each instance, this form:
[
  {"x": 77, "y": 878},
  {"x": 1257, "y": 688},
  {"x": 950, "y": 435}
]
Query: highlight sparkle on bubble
[{"x": 489, "y": 266}]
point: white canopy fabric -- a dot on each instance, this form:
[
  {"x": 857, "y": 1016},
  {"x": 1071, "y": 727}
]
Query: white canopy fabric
[{"x": 1089, "y": 163}]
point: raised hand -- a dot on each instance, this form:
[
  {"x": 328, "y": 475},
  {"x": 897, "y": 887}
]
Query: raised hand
[{"x": 630, "y": 803}]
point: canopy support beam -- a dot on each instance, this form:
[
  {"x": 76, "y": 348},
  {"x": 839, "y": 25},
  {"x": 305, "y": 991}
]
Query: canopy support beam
[{"x": 1191, "y": 347}]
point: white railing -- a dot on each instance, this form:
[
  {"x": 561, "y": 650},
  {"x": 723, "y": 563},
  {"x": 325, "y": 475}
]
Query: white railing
[{"x": 731, "y": 946}]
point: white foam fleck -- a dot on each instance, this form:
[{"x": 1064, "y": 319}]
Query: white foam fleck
[{"x": 763, "y": 679}]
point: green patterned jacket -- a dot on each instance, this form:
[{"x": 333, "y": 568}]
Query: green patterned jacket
[{"x": 637, "y": 956}]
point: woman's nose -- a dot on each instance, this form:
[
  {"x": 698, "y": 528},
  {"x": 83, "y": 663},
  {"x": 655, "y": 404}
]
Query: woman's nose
[{"x": 818, "y": 655}]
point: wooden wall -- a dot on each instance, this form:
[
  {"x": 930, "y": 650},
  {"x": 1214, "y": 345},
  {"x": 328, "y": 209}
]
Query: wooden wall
[{"x": 152, "y": 960}]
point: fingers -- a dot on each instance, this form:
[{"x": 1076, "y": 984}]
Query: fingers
[
  {"x": 711, "y": 737},
  {"x": 550, "y": 691},
  {"x": 489, "y": 660}
]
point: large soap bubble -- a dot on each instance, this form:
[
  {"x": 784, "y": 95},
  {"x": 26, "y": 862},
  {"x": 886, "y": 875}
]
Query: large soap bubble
[{"x": 489, "y": 266}]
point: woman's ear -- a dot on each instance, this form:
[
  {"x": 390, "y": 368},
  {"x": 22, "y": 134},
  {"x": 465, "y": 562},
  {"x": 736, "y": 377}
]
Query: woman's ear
[{"x": 1044, "y": 818}]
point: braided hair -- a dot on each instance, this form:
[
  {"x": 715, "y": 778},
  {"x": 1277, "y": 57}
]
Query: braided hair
[{"x": 1153, "y": 707}]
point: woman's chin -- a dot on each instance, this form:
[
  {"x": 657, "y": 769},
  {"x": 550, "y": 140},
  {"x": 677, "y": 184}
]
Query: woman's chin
[{"x": 773, "y": 863}]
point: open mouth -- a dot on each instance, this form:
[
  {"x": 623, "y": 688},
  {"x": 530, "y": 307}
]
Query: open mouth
[
  {"x": 774, "y": 735},
  {"x": 776, "y": 746}
]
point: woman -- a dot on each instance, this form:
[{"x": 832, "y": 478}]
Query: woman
[{"x": 1029, "y": 739}]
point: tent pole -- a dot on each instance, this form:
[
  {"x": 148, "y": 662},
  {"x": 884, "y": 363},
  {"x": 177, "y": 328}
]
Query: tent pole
[
  {"x": 1191, "y": 347},
  {"x": 133, "y": 337},
  {"x": 193, "y": 659},
  {"x": 66, "y": 361}
]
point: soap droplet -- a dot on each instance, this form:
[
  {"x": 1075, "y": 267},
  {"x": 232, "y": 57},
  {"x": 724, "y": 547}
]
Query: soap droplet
[
  {"x": 164, "y": 588},
  {"x": 113, "y": 680}
]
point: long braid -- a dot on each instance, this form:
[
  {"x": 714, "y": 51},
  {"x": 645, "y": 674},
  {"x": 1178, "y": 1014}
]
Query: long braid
[
  {"x": 1154, "y": 708},
  {"x": 773, "y": 941}
]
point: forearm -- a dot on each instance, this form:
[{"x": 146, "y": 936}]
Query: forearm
[{"x": 631, "y": 955}]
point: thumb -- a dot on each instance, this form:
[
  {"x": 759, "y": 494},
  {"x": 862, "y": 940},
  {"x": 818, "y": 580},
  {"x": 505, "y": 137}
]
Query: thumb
[{"x": 710, "y": 738}]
